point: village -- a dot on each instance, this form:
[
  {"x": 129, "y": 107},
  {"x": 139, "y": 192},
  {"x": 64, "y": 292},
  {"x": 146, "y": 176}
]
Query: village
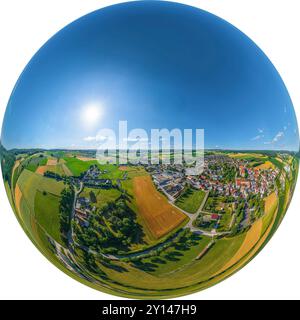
[
  {"x": 228, "y": 183},
  {"x": 245, "y": 180},
  {"x": 84, "y": 206},
  {"x": 223, "y": 176}
]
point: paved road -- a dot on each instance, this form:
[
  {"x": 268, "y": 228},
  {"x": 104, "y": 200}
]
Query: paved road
[
  {"x": 76, "y": 193},
  {"x": 194, "y": 216}
]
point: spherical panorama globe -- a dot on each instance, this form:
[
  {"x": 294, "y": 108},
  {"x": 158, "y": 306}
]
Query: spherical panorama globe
[{"x": 150, "y": 149}]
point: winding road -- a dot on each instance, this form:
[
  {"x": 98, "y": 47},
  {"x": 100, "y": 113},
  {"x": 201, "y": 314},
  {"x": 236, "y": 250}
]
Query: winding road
[
  {"x": 193, "y": 216},
  {"x": 76, "y": 193},
  {"x": 190, "y": 225}
]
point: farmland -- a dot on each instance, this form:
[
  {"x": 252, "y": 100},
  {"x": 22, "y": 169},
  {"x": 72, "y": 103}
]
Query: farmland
[
  {"x": 35, "y": 162},
  {"x": 128, "y": 186},
  {"x": 271, "y": 204},
  {"x": 247, "y": 155},
  {"x": 266, "y": 165},
  {"x": 250, "y": 240},
  {"x": 102, "y": 196},
  {"x": 46, "y": 208},
  {"x": 57, "y": 169},
  {"x": 151, "y": 230},
  {"x": 188, "y": 272},
  {"x": 159, "y": 215},
  {"x": 18, "y": 198},
  {"x": 175, "y": 257},
  {"x": 77, "y": 166},
  {"x": 33, "y": 204}
]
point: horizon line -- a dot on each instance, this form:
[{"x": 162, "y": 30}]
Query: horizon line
[{"x": 171, "y": 149}]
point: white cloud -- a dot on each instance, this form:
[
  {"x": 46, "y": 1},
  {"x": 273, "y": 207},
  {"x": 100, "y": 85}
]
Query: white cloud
[
  {"x": 278, "y": 136},
  {"x": 257, "y": 137},
  {"x": 88, "y": 139},
  {"x": 96, "y": 138}
]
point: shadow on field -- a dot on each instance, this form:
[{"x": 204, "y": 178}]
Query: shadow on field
[{"x": 114, "y": 267}]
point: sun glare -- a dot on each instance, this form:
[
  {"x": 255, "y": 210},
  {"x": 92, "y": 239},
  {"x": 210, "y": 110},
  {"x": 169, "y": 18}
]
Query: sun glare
[{"x": 91, "y": 114}]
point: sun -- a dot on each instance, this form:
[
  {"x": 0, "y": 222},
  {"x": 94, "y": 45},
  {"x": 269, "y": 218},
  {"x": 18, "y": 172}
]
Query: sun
[{"x": 91, "y": 114}]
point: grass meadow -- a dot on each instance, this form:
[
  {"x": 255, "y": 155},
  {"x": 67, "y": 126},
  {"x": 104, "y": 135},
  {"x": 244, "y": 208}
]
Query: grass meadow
[
  {"x": 47, "y": 214},
  {"x": 190, "y": 200}
]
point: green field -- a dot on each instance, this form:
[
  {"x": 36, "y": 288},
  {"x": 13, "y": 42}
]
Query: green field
[
  {"x": 193, "y": 274},
  {"x": 277, "y": 163},
  {"x": 26, "y": 213},
  {"x": 30, "y": 183},
  {"x": 60, "y": 169},
  {"x": 190, "y": 200},
  {"x": 112, "y": 172},
  {"x": 47, "y": 214},
  {"x": 103, "y": 195},
  {"x": 57, "y": 169},
  {"x": 225, "y": 222},
  {"x": 249, "y": 156},
  {"x": 35, "y": 162},
  {"x": 77, "y": 167},
  {"x": 177, "y": 256},
  {"x": 214, "y": 260},
  {"x": 33, "y": 181}
]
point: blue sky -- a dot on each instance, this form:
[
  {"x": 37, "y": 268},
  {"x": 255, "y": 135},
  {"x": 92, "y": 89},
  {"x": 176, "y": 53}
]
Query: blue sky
[{"x": 156, "y": 65}]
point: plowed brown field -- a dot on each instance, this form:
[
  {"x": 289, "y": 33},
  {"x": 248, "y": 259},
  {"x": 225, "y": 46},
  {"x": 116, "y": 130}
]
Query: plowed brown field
[{"x": 52, "y": 162}]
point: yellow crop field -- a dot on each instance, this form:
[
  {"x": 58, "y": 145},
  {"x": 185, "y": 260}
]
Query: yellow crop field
[
  {"x": 159, "y": 215},
  {"x": 266, "y": 165}
]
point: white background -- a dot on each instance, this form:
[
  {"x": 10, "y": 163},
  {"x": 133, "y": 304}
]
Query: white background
[{"x": 25, "y": 25}]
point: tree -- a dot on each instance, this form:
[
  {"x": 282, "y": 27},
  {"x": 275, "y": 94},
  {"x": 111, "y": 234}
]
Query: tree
[
  {"x": 65, "y": 210},
  {"x": 112, "y": 230},
  {"x": 93, "y": 197}
]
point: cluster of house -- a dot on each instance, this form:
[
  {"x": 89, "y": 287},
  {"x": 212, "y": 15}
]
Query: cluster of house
[
  {"x": 169, "y": 180},
  {"x": 83, "y": 209},
  {"x": 247, "y": 180},
  {"x": 255, "y": 181},
  {"x": 83, "y": 205},
  {"x": 91, "y": 178},
  {"x": 210, "y": 217}
]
